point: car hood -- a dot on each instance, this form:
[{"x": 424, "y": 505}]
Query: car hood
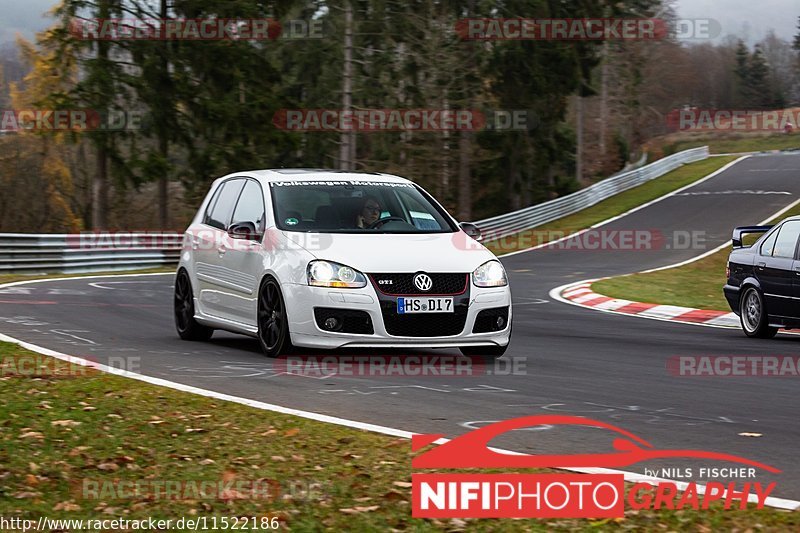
[{"x": 383, "y": 253}]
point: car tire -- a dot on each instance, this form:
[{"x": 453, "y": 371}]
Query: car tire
[
  {"x": 753, "y": 315},
  {"x": 183, "y": 303},
  {"x": 273, "y": 322},
  {"x": 487, "y": 352}
]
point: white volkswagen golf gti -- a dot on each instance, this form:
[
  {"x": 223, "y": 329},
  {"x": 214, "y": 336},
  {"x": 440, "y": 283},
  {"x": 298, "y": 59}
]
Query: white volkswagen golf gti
[{"x": 329, "y": 259}]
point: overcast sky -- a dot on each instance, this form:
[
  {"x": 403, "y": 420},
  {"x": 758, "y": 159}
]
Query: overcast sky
[{"x": 749, "y": 19}]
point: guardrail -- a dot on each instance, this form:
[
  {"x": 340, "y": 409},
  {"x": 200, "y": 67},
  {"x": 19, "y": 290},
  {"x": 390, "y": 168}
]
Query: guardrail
[
  {"x": 32, "y": 253},
  {"x": 530, "y": 217}
]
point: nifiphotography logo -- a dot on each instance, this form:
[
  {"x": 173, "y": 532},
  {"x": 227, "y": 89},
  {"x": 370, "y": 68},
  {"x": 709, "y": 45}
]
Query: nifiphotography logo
[{"x": 521, "y": 495}]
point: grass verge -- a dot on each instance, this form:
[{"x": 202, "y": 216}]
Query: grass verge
[
  {"x": 698, "y": 284},
  {"x": 730, "y": 143},
  {"x": 611, "y": 207},
  {"x": 69, "y": 433}
]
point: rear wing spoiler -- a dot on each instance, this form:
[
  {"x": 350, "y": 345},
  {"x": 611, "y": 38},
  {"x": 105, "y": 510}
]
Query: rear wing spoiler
[{"x": 743, "y": 230}]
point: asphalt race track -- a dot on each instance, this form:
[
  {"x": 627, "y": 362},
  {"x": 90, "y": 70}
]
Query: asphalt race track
[{"x": 569, "y": 360}]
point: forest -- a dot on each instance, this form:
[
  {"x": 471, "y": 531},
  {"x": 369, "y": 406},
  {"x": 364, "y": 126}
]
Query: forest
[{"x": 487, "y": 125}]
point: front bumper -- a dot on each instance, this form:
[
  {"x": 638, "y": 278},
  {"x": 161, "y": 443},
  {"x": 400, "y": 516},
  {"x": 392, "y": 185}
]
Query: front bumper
[{"x": 301, "y": 300}]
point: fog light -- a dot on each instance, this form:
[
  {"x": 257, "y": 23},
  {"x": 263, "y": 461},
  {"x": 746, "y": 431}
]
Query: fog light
[
  {"x": 501, "y": 322},
  {"x": 331, "y": 323}
]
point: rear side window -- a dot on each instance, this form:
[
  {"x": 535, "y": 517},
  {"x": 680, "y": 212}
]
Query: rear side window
[
  {"x": 219, "y": 213},
  {"x": 769, "y": 243},
  {"x": 786, "y": 243}
]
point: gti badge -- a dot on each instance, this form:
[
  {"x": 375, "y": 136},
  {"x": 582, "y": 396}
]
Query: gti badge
[{"x": 423, "y": 282}]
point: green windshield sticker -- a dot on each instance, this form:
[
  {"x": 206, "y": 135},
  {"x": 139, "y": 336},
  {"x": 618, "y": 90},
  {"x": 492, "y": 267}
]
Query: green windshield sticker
[{"x": 291, "y": 221}]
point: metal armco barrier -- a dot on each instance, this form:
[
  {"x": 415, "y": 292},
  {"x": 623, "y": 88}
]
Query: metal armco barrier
[
  {"x": 32, "y": 253},
  {"x": 530, "y": 217}
]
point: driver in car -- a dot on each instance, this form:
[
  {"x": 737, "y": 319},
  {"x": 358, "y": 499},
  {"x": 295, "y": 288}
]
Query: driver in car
[{"x": 370, "y": 212}]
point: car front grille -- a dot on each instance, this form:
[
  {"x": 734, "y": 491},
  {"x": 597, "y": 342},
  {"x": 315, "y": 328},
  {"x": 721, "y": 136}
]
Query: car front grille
[
  {"x": 424, "y": 324},
  {"x": 447, "y": 284}
]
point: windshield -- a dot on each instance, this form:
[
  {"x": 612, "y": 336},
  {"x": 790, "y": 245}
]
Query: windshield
[{"x": 356, "y": 207}]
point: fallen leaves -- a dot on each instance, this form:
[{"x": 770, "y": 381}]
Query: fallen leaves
[
  {"x": 394, "y": 495},
  {"x": 26, "y": 494},
  {"x": 74, "y": 452},
  {"x": 66, "y": 506},
  {"x": 358, "y": 510},
  {"x": 65, "y": 423}
]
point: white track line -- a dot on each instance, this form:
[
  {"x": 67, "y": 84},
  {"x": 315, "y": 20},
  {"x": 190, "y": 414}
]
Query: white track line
[
  {"x": 632, "y": 477},
  {"x": 626, "y": 213},
  {"x": 563, "y": 293},
  {"x": 779, "y": 503}
]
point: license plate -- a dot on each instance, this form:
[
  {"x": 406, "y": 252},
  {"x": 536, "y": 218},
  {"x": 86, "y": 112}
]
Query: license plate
[{"x": 407, "y": 306}]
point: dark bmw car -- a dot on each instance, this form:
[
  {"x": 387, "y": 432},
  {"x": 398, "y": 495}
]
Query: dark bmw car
[{"x": 763, "y": 285}]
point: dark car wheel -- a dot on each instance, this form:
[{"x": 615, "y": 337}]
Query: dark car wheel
[
  {"x": 188, "y": 328},
  {"x": 273, "y": 323},
  {"x": 753, "y": 315}
]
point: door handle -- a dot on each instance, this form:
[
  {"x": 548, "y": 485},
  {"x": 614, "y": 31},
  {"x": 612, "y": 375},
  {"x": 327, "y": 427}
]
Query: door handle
[{"x": 761, "y": 265}]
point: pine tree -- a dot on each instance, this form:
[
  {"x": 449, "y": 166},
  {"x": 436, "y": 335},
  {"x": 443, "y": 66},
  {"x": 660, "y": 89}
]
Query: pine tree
[
  {"x": 757, "y": 85},
  {"x": 742, "y": 72},
  {"x": 796, "y": 43}
]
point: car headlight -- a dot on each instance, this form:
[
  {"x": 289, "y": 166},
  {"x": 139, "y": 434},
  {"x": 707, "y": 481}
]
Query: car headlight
[
  {"x": 330, "y": 274},
  {"x": 490, "y": 274}
]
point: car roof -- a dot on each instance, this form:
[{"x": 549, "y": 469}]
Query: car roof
[{"x": 317, "y": 174}]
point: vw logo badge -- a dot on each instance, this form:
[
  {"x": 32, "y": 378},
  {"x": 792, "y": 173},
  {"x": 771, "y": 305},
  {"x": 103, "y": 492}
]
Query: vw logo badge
[{"x": 423, "y": 282}]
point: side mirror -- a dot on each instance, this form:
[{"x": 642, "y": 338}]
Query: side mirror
[
  {"x": 244, "y": 230},
  {"x": 472, "y": 230}
]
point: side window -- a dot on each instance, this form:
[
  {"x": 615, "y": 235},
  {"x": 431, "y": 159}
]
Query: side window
[
  {"x": 786, "y": 243},
  {"x": 769, "y": 243},
  {"x": 251, "y": 206},
  {"x": 220, "y": 214},
  {"x": 211, "y": 204}
]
